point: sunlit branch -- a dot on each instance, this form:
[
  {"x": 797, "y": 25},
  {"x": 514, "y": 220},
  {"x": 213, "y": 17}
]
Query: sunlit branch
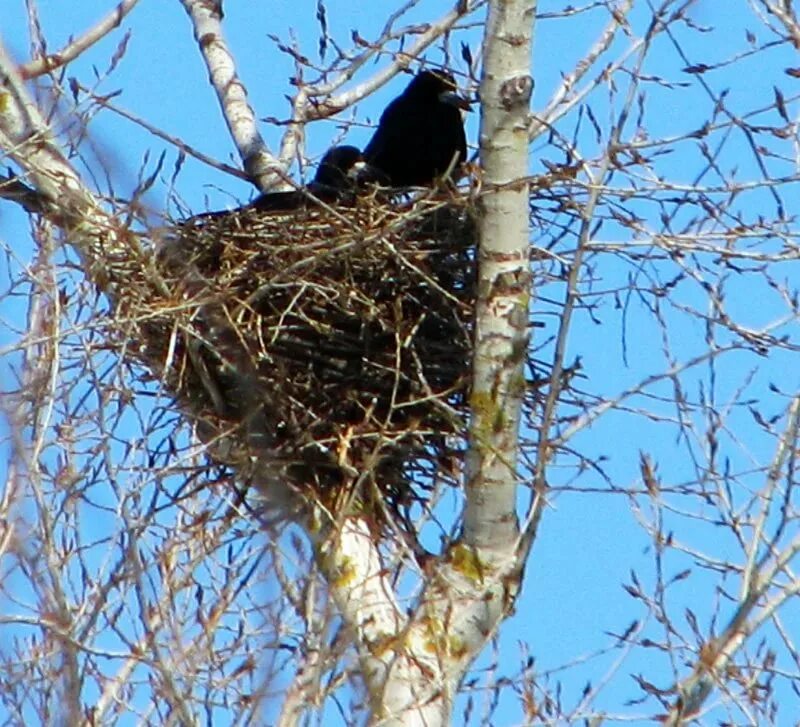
[
  {"x": 54, "y": 61},
  {"x": 566, "y": 97},
  {"x": 263, "y": 169},
  {"x": 401, "y": 61}
]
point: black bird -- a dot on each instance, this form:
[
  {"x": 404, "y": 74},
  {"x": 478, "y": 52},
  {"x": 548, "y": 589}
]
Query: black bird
[
  {"x": 421, "y": 133},
  {"x": 336, "y": 179}
]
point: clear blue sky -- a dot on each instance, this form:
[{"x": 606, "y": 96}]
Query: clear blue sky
[{"x": 573, "y": 596}]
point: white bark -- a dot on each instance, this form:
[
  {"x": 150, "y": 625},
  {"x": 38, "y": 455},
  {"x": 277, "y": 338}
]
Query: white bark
[
  {"x": 501, "y": 337},
  {"x": 396, "y": 665},
  {"x": 260, "y": 165}
]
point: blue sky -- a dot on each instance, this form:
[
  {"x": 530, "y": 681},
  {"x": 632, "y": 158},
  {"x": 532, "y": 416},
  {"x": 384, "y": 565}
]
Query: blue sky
[{"x": 589, "y": 542}]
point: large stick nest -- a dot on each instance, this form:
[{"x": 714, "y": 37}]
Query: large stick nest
[{"x": 331, "y": 344}]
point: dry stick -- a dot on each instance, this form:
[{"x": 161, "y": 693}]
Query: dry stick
[
  {"x": 303, "y": 693},
  {"x": 37, "y": 409},
  {"x": 557, "y": 107},
  {"x": 782, "y": 11}
]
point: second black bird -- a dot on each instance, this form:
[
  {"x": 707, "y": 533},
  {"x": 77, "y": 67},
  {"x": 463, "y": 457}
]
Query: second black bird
[
  {"x": 336, "y": 179},
  {"x": 421, "y": 133}
]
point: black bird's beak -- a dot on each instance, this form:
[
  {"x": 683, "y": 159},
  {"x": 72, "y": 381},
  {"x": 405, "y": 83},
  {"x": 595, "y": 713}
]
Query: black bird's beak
[
  {"x": 357, "y": 170},
  {"x": 452, "y": 98}
]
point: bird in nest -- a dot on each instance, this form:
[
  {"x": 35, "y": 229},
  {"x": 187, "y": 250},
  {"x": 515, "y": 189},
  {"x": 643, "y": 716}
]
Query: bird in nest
[
  {"x": 336, "y": 180},
  {"x": 420, "y": 135}
]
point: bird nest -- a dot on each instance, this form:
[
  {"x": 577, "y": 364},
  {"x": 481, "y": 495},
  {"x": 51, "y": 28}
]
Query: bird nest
[{"x": 331, "y": 344}]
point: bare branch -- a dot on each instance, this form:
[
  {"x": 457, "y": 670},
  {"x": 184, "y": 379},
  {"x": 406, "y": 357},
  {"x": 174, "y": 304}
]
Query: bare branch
[
  {"x": 566, "y": 97},
  {"x": 785, "y": 14},
  {"x": 74, "y": 48},
  {"x": 170, "y": 139},
  {"x": 433, "y": 32},
  {"x": 263, "y": 169},
  {"x": 314, "y": 101},
  {"x": 717, "y": 653},
  {"x": 26, "y": 138}
]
